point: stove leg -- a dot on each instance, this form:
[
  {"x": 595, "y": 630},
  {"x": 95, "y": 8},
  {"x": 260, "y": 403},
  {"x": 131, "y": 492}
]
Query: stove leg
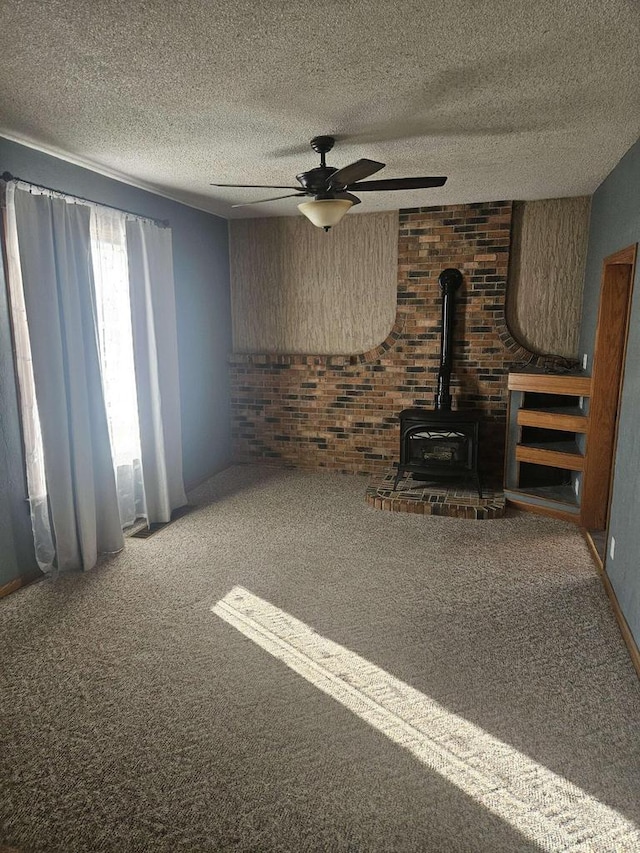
[
  {"x": 399, "y": 474},
  {"x": 478, "y": 485}
]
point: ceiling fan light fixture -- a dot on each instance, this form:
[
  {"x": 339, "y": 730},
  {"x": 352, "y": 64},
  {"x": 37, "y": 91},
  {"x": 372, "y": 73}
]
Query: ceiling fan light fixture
[{"x": 325, "y": 212}]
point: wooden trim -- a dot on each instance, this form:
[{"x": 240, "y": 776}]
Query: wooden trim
[
  {"x": 18, "y": 583},
  {"x": 549, "y": 383},
  {"x": 609, "y": 361},
  {"x": 623, "y": 625},
  {"x": 524, "y": 491},
  {"x": 543, "y": 510},
  {"x": 505, "y": 467},
  {"x": 625, "y": 630},
  {"x": 552, "y": 458},
  {"x": 632, "y": 253},
  {"x": 623, "y": 256},
  {"x": 10, "y": 587},
  {"x": 597, "y": 559},
  {"x": 552, "y": 420}
]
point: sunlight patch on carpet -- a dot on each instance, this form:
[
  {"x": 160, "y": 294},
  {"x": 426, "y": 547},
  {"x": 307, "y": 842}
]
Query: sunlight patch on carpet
[{"x": 544, "y": 807}]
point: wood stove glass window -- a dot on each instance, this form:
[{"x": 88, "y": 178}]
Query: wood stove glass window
[{"x": 439, "y": 449}]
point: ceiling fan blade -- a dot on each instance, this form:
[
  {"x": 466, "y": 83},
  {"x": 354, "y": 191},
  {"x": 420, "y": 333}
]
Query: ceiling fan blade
[
  {"x": 256, "y": 186},
  {"x": 348, "y": 197},
  {"x": 354, "y": 172},
  {"x": 275, "y": 198},
  {"x": 398, "y": 184}
]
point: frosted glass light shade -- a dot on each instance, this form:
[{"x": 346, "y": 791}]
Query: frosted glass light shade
[{"x": 325, "y": 212}]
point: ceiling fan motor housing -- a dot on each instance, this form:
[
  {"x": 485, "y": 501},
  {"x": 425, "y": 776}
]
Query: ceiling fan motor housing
[{"x": 316, "y": 180}]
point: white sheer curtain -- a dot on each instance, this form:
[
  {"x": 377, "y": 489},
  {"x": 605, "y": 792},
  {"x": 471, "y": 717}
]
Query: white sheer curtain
[
  {"x": 63, "y": 411},
  {"x": 111, "y": 274},
  {"x": 31, "y": 431},
  {"x": 93, "y": 310},
  {"x": 155, "y": 346}
]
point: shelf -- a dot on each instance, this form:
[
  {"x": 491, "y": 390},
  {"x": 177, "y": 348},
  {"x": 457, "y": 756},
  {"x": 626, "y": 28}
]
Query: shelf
[
  {"x": 547, "y": 426},
  {"x": 532, "y": 503},
  {"x": 574, "y": 411},
  {"x": 551, "y": 383},
  {"x": 566, "y": 418},
  {"x": 555, "y": 454},
  {"x": 562, "y": 494},
  {"x": 563, "y": 446}
]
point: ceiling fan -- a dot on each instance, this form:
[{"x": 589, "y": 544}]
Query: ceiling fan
[{"x": 332, "y": 189}]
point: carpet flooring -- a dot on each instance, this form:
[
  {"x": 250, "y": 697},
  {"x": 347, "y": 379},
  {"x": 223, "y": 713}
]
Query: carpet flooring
[{"x": 288, "y": 669}]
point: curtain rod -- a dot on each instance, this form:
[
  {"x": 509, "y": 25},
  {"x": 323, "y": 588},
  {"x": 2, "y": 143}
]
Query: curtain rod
[{"x": 7, "y": 176}]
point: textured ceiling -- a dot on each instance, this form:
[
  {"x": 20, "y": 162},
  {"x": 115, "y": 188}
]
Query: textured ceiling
[{"x": 510, "y": 99}]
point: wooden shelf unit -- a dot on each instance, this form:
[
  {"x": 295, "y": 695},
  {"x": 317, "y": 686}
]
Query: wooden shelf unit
[
  {"x": 547, "y": 423},
  {"x": 555, "y": 417}
]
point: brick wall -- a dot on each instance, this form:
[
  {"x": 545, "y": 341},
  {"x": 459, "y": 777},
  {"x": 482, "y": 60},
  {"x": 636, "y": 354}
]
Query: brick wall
[{"x": 340, "y": 412}]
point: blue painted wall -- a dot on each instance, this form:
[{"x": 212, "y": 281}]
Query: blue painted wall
[
  {"x": 201, "y": 267},
  {"x": 615, "y": 224}
]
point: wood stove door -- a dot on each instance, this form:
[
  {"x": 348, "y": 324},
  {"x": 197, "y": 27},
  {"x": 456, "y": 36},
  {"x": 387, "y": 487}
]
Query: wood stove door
[{"x": 440, "y": 449}]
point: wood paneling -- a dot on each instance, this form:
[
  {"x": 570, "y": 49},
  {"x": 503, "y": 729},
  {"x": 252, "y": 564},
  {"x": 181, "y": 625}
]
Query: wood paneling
[
  {"x": 548, "y": 255},
  {"x": 297, "y": 289}
]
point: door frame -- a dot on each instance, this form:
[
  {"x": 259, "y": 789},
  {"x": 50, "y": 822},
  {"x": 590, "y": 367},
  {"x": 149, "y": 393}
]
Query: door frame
[{"x": 605, "y": 400}]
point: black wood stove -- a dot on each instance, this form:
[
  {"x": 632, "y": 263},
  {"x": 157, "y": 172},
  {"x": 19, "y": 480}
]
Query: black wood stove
[{"x": 441, "y": 444}]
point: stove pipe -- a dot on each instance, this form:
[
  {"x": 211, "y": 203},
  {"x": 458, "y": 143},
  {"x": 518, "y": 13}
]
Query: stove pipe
[{"x": 449, "y": 281}]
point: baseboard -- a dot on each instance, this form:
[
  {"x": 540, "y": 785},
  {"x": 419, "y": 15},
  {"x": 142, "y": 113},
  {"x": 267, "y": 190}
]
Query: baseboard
[
  {"x": 597, "y": 559},
  {"x": 623, "y": 625},
  {"x": 543, "y": 510},
  {"x": 16, "y": 584},
  {"x": 193, "y": 484}
]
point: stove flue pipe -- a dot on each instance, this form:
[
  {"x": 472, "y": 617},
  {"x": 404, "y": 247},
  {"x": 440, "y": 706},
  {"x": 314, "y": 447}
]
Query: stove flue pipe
[{"x": 449, "y": 281}]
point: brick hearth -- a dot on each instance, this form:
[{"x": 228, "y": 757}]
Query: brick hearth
[{"x": 449, "y": 500}]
